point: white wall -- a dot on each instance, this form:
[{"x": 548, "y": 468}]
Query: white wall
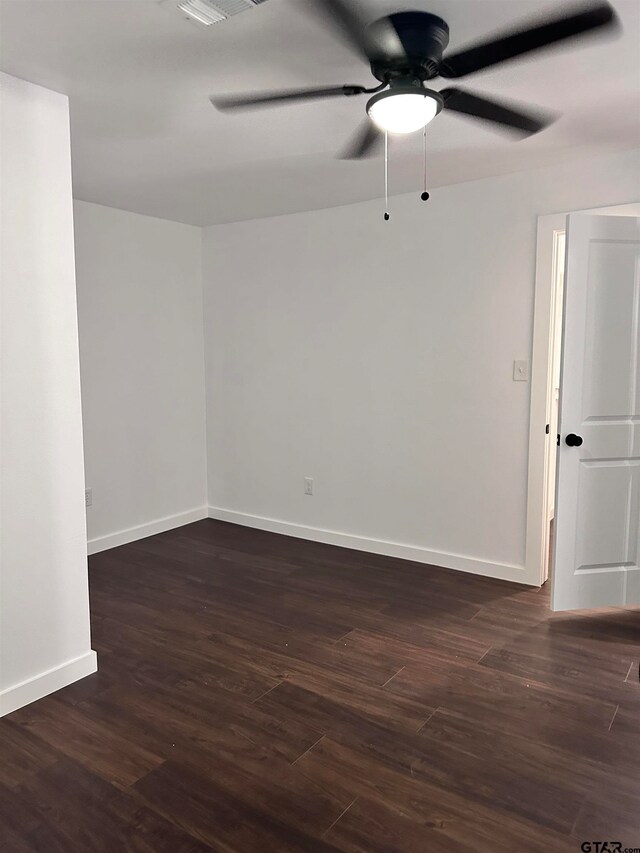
[
  {"x": 142, "y": 368},
  {"x": 377, "y": 358},
  {"x": 44, "y": 608}
]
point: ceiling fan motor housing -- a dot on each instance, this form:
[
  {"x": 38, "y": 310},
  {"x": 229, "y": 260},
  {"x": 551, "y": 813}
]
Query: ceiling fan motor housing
[{"x": 412, "y": 46}]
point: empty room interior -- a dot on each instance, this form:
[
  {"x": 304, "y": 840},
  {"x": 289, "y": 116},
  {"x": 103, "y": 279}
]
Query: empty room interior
[{"x": 320, "y": 429}]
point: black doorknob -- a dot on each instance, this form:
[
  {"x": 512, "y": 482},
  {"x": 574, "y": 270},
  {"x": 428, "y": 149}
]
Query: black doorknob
[{"x": 573, "y": 440}]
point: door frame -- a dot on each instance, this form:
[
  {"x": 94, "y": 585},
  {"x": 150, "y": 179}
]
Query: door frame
[{"x": 536, "y": 562}]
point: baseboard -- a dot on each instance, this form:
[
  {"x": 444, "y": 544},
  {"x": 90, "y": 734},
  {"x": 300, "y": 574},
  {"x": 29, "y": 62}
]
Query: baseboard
[
  {"x": 131, "y": 534},
  {"x": 502, "y": 571},
  {"x": 47, "y": 682}
]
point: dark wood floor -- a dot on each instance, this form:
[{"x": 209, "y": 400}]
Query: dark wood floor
[{"x": 261, "y": 693}]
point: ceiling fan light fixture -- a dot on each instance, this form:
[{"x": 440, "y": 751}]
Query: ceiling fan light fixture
[{"x": 404, "y": 110}]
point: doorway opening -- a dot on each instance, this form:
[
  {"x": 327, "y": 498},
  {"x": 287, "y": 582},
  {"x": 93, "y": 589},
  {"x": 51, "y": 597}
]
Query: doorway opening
[{"x": 545, "y": 382}]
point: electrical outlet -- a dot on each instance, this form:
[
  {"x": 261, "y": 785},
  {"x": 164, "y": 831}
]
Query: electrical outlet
[
  {"x": 88, "y": 497},
  {"x": 308, "y": 485}
]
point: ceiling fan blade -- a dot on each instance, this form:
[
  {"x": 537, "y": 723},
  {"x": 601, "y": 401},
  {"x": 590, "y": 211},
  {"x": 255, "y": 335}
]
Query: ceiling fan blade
[
  {"x": 521, "y": 41},
  {"x": 364, "y": 142},
  {"x": 341, "y": 15},
  {"x": 243, "y": 102},
  {"x": 480, "y": 107}
]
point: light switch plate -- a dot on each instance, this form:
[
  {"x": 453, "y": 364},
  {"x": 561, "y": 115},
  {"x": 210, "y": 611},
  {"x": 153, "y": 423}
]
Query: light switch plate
[{"x": 521, "y": 371}]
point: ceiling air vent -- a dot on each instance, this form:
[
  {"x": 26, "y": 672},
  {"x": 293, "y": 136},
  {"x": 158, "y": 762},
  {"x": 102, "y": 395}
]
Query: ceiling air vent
[{"x": 205, "y": 12}]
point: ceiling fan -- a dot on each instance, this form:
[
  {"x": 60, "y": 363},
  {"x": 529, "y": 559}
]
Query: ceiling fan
[{"x": 405, "y": 49}]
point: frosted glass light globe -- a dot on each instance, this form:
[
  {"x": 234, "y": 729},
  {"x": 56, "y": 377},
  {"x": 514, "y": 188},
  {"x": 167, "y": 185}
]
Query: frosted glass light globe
[{"x": 402, "y": 112}]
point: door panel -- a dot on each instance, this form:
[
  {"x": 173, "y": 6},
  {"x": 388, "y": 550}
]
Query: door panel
[
  {"x": 607, "y": 490},
  {"x": 611, "y": 372},
  {"x": 598, "y": 494}
]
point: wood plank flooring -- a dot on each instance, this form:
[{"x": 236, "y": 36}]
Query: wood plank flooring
[{"x": 262, "y": 693}]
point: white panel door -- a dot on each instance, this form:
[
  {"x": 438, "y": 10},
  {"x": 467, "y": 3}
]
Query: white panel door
[{"x": 597, "y": 526}]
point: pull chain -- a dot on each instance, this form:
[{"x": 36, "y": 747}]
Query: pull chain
[
  {"x": 425, "y": 194},
  {"x": 386, "y": 176}
]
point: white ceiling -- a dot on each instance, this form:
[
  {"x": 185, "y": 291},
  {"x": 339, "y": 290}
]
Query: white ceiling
[{"x": 145, "y": 137}]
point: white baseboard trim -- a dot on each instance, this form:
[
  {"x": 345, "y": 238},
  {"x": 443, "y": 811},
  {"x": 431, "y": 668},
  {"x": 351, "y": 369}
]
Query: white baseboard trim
[
  {"x": 141, "y": 531},
  {"x": 502, "y": 571},
  {"x": 47, "y": 682}
]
